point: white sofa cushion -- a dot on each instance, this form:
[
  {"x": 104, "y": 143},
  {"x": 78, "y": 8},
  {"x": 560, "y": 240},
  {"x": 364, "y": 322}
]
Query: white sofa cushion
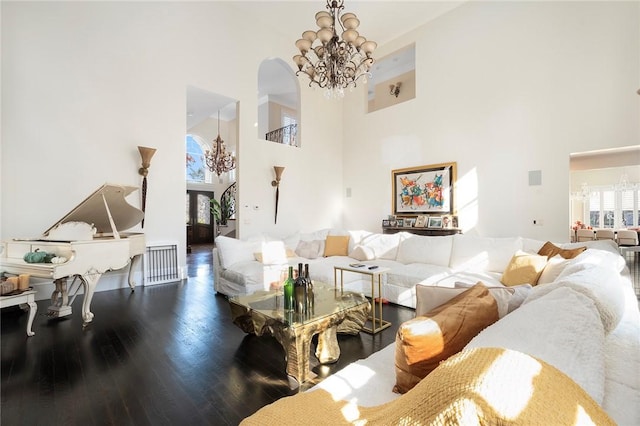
[
  {"x": 425, "y": 249},
  {"x": 356, "y": 238},
  {"x": 562, "y": 328},
  {"x": 471, "y": 253},
  {"x": 384, "y": 246},
  {"x": 272, "y": 253},
  {"x": 252, "y": 273},
  {"x": 310, "y": 249},
  {"x": 233, "y": 251},
  {"x": 554, "y": 267},
  {"x": 414, "y": 273},
  {"x": 598, "y": 282},
  {"x": 362, "y": 253}
]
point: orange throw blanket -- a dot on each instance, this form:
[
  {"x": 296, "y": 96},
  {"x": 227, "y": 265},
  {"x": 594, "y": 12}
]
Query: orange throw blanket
[{"x": 485, "y": 386}]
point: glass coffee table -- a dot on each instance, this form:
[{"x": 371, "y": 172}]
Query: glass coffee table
[{"x": 335, "y": 311}]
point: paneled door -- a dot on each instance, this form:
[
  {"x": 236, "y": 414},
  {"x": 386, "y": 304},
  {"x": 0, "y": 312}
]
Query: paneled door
[{"x": 200, "y": 222}]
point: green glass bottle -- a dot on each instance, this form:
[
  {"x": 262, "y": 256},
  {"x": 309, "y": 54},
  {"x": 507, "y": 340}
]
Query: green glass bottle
[{"x": 288, "y": 291}]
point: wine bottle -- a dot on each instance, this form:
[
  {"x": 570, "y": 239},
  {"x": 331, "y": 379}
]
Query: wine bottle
[
  {"x": 310, "y": 295},
  {"x": 300, "y": 292},
  {"x": 288, "y": 291}
]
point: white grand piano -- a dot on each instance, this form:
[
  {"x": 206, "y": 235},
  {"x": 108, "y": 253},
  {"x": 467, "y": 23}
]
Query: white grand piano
[{"x": 106, "y": 248}]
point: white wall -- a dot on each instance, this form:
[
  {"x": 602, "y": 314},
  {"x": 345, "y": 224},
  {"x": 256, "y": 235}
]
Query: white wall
[
  {"x": 85, "y": 83},
  {"x": 503, "y": 88}
]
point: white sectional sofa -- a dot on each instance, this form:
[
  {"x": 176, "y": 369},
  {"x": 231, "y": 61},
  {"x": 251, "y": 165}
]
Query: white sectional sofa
[
  {"x": 581, "y": 318},
  {"x": 412, "y": 259}
]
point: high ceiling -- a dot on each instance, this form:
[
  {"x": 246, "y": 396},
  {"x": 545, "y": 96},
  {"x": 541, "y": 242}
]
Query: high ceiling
[{"x": 381, "y": 21}]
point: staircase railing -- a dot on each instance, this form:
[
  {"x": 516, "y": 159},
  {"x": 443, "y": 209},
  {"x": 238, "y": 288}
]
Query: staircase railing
[
  {"x": 287, "y": 135},
  {"x": 228, "y": 202}
]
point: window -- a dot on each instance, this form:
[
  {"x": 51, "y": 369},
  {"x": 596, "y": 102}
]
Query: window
[
  {"x": 613, "y": 208},
  {"x": 196, "y": 169}
]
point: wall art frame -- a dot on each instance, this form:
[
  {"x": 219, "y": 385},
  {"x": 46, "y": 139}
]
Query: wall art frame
[{"x": 425, "y": 189}]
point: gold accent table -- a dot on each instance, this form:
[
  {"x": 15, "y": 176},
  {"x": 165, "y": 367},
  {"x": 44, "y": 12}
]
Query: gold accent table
[
  {"x": 373, "y": 273},
  {"x": 334, "y": 312}
]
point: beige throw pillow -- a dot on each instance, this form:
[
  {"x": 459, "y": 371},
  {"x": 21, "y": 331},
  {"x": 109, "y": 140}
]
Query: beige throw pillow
[
  {"x": 524, "y": 268},
  {"x": 336, "y": 245}
]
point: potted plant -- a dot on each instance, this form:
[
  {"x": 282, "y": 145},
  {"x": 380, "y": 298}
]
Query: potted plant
[{"x": 216, "y": 210}]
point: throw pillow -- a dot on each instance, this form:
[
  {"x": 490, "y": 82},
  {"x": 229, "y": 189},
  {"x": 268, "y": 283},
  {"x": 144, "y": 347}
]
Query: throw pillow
[
  {"x": 336, "y": 245},
  {"x": 423, "y": 342},
  {"x": 273, "y": 253},
  {"x": 310, "y": 249},
  {"x": 429, "y": 297},
  {"x": 555, "y": 266},
  {"x": 362, "y": 253},
  {"x": 232, "y": 250},
  {"x": 549, "y": 249},
  {"x": 524, "y": 268}
]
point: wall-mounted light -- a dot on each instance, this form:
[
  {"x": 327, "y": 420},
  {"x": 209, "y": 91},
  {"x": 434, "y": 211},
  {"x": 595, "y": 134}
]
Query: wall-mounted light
[
  {"x": 145, "y": 154},
  {"x": 394, "y": 89},
  {"x": 276, "y": 183}
]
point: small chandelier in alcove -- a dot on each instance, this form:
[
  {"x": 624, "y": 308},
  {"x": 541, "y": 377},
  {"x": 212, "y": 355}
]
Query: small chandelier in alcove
[{"x": 218, "y": 160}]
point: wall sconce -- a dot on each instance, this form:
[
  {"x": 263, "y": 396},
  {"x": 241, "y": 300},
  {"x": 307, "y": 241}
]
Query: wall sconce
[
  {"x": 145, "y": 154},
  {"x": 394, "y": 89},
  {"x": 276, "y": 183}
]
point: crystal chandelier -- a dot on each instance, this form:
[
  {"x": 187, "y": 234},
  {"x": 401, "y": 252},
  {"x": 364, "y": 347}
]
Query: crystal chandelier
[
  {"x": 219, "y": 160},
  {"x": 336, "y": 61}
]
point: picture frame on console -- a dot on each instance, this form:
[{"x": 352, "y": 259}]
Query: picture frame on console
[
  {"x": 421, "y": 221},
  {"x": 409, "y": 222},
  {"x": 435, "y": 222},
  {"x": 425, "y": 189}
]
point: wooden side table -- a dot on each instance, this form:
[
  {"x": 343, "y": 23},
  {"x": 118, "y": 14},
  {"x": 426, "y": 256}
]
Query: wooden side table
[
  {"x": 377, "y": 323},
  {"x": 27, "y": 299}
]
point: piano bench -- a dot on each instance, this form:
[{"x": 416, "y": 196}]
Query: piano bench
[{"x": 27, "y": 298}]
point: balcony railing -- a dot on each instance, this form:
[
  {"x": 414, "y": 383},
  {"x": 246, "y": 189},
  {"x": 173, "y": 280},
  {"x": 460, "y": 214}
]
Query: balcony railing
[{"x": 287, "y": 135}]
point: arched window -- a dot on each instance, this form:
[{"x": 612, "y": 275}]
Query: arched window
[{"x": 196, "y": 168}]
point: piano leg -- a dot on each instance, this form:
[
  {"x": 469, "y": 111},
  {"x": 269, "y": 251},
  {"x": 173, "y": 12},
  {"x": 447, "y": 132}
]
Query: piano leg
[
  {"x": 59, "y": 299},
  {"x": 133, "y": 265},
  {"x": 90, "y": 282}
]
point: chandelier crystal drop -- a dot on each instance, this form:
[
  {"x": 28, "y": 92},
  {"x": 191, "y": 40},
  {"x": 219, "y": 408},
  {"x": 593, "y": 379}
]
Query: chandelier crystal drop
[
  {"x": 218, "y": 159},
  {"x": 334, "y": 61}
]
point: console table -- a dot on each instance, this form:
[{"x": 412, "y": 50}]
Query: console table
[{"x": 422, "y": 231}]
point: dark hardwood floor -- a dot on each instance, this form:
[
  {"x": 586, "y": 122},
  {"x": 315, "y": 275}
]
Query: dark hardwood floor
[{"x": 162, "y": 355}]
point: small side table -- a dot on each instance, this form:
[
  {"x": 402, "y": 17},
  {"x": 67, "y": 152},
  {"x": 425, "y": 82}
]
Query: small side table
[
  {"x": 377, "y": 323},
  {"x": 25, "y": 298}
]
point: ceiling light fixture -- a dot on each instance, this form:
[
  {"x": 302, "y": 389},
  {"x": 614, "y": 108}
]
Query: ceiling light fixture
[
  {"x": 219, "y": 160},
  {"x": 337, "y": 61}
]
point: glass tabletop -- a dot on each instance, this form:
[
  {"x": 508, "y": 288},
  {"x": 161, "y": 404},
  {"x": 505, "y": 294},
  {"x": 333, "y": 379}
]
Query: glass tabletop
[{"x": 327, "y": 301}]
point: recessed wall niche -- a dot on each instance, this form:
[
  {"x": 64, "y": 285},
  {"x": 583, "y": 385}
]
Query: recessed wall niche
[
  {"x": 278, "y": 103},
  {"x": 393, "y": 79}
]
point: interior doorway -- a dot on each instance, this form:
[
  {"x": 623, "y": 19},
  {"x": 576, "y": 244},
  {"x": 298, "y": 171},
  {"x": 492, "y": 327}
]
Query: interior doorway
[{"x": 200, "y": 223}]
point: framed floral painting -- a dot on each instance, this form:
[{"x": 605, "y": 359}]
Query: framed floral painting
[{"x": 424, "y": 189}]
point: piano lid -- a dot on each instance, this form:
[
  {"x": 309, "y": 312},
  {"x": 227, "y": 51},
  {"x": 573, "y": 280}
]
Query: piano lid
[{"x": 106, "y": 204}]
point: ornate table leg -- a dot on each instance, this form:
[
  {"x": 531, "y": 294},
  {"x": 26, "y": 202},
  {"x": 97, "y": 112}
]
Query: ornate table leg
[{"x": 328, "y": 350}]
